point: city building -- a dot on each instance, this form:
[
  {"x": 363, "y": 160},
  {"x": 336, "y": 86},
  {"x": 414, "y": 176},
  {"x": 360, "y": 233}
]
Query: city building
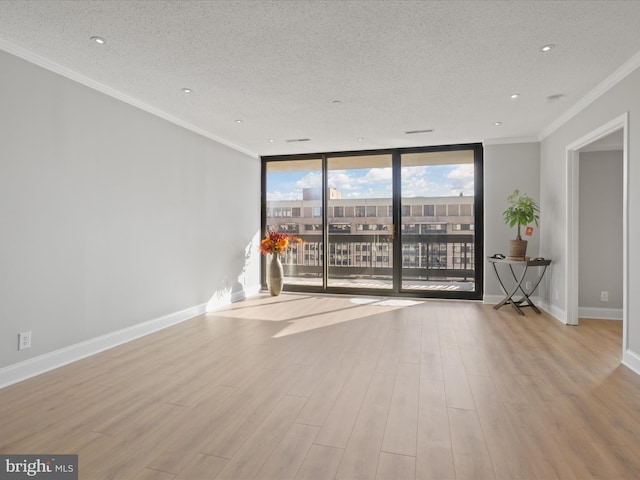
[{"x": 437, "y": 233}]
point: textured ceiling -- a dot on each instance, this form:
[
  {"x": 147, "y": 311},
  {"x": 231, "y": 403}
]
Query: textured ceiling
[{"x": 395, "y": 65}]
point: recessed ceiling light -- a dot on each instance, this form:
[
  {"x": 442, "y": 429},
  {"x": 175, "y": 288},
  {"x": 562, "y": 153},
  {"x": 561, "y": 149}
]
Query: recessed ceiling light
[
  {"x": 497, "y": 123},
  {"x": 186, "y": 90},
  {"x": 238, "y": 121},
  {"x": 514, "y": 96},
  {"x": 271, "y": 140},
  {"x": 547, "y": 47},
  {"x": 336, "y": 101},
  {"x": 99, "y": 40},
  {"x": 360, "y": 139}
]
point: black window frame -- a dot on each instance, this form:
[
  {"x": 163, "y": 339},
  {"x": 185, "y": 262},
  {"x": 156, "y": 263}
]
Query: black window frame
[{"x": 478, "y": 230}]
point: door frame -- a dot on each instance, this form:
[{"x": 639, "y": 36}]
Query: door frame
[{"x": 572, "y": 225}]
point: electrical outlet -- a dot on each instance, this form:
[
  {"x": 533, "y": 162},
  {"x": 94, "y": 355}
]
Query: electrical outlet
[
  {"x": 604, "y": 296},
  {"x": 24, "y": 340},
  {"x": 527, "y": 286}
]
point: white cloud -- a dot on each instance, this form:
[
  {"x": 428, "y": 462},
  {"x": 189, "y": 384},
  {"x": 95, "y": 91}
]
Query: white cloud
[
  {"x": 417, "y": 181},
  {"x": 310, "y": 180},
  {"x": 463, "y": 172},
  {"x": 278, "y": 195},
  {"x": 414, "y": 181},
  {"x": 341, "y": 180},
  {"x": 377, "y": 175},
  {"x": 462, "y": 179}
]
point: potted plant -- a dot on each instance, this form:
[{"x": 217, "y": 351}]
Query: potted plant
[
  {"x": 523, "y": 210},
  {"x": 276, "y": 244}
]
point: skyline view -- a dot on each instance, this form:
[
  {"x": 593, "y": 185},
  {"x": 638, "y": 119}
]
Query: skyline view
[{"x": 424, "y": 181}]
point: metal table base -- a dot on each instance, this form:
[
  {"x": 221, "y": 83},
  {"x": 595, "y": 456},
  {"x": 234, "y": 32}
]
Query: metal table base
[{"x": 525, "y": 300}]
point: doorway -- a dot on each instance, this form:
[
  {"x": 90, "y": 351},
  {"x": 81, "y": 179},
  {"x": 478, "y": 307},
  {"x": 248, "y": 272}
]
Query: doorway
[{"x": 616, "y": 130}]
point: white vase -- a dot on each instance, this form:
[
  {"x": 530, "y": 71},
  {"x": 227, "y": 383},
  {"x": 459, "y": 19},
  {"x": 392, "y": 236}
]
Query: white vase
[{"x": 276, "y": 275}]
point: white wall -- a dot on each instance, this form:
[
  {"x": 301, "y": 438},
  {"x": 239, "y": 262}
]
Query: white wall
[
  {"x": 600, "y": 235},
  {"x": 623, "y": 97},
  {"x": 507, "y": 167},
  {"x": 111, "y": 216}
]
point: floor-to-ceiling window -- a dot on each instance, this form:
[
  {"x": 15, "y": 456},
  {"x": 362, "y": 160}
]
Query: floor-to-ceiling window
[
  {"x": 437, "y": 220},
  {"x": 392, "y": 222},
  {"x": 294, "y": 205}
]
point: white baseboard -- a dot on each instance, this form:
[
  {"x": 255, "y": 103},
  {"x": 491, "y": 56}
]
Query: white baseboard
[
  {"x": 600, "y": 313},
  {"x": 492, "y": 299},
  {"x": 632, "y": 360},
  {"x": 496, "y": 299},
  {"x": 225, "y": 297},
  {"x": 50, "y": 361},
  {"x": 250, "y": 291},
  {"x": 554, "y": 311}
]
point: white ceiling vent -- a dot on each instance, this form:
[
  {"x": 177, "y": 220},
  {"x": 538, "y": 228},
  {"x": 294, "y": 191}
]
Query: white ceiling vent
[{"x": 411, "y": 132}]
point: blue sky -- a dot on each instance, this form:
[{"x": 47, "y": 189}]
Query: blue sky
[{"x": 427, "y": 181}]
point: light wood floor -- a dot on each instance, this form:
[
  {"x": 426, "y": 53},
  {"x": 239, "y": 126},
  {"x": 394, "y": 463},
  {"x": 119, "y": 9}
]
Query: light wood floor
[{"x": 322, "y": 387}]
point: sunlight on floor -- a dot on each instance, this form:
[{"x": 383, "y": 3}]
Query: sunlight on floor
[
  {"x": 384, "y": 303},
  {"x": 302, "y": 313},
  {"x": 364, "y": 307}
]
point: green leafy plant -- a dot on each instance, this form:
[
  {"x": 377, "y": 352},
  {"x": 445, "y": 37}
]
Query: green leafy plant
[{"x": 522, "y": 211}]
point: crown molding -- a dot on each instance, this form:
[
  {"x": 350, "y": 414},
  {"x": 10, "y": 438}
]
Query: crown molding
[
  {"x": 505, "y": 141},
  {"x": 32, "y": 57},
  {"x": 628, "y": 67}
]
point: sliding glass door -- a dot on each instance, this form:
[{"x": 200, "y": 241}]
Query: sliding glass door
[
  {"x": 404, "y": 222},
  {"x": 360, "y": 223},
  {"x": 437, "y": 226}
]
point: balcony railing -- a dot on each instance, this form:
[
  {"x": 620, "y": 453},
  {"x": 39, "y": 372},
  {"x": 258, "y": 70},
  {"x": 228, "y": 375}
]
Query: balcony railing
[{"x": 425, "y": 257}]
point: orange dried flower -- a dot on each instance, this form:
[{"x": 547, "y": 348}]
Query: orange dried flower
[{"x": 275, "y": 242}]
